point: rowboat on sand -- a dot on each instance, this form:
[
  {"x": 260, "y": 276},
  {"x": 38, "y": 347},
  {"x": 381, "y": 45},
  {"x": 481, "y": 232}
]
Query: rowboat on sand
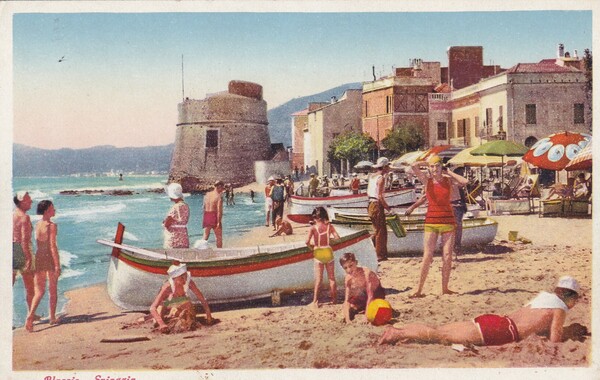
[
  {"x": 135, "y": 274},
  {"x": 405, "y": 237},
  {"x": 302, "y": 207}
]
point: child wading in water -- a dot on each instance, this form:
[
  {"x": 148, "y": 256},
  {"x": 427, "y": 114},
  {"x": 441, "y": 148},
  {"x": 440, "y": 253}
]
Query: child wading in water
[
  {"x": 362, "y": 286},
  {"x": 174, "y": 305},
  {"x": 322, "y": 252}
]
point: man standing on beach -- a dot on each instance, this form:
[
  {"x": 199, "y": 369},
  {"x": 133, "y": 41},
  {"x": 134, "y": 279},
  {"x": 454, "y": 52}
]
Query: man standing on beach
[
  {"x": 313, "y": 184},
  {"x": 213, "y": 213},
  {"x": 378, "y": 206},
  {"x": 278, "y": 195},
  {"x": 22, "y": 247},
  {"x": 268, "y": 200}
]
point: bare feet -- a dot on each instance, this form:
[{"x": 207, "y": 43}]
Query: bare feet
[
  {"x": 37, "y": 317},
  {"x": 389, "y": 336},
  {"x": 417, "y": 295},
  {"x": 29, "y": 324},
  {"x": 448, "y": 291},
  {"x": 54, "y": 321},
  {"x": 314, "y": 305}
]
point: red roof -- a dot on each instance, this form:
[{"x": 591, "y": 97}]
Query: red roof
[
  {"x": 443, "y": 88},
  {"x": 301, "y": 113},
  {"x": 544, "y": 66}
]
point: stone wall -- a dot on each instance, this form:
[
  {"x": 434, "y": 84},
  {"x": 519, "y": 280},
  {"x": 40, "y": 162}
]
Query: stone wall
[{"x": 220, "y": 137}]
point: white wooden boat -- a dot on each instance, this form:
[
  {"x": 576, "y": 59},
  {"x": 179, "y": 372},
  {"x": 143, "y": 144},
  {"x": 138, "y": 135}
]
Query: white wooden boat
[
  {"x": 476, "y": 232},
  {"x": 473, "y": 211},
  {"x": 302, "y": 207},
  {"x": 135, "y": 275}
]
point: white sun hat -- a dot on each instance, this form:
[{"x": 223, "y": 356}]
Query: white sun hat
[
  {"x": 174, "y": 191},
  {"x": 568, "y": 282},
  {"x": 177, "y": 270}
]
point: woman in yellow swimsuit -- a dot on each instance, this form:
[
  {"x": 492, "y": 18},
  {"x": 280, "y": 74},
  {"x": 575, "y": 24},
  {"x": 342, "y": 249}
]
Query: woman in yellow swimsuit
[{"x": 322, "y": 252}]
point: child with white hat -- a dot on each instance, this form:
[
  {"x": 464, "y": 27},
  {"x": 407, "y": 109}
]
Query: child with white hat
[{"x": 173, "y": 303}]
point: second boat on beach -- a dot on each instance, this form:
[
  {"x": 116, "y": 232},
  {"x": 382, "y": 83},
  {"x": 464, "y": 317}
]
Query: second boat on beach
[
  {"x": 135, "y": 274},
  {"x": 405, "y": 236}
]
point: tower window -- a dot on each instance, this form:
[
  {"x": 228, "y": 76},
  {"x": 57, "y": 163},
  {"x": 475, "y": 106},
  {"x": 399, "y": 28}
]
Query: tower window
[{"x": 212, "y": 139}]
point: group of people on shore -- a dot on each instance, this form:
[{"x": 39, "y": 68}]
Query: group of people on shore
[{"x": 41, "y": 267}]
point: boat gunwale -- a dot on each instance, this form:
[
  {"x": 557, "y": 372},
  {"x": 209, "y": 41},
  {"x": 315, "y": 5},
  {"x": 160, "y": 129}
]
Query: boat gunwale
[{"x": 349, "y": 196}]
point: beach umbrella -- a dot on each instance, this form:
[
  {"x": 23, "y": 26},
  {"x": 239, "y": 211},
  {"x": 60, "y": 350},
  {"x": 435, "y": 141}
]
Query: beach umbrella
[
  {"x": 500, "y": 148},
  {"x": 405, "y": 160},
  {"x": 557, "y": 150},
  {"x": 465, "y": 158},
  {"x": 582, "y": 160},
  {"x": 444, "y": 151},
  {"x": 363, "y": 165}
]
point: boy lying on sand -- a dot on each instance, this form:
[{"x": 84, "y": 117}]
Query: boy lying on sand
[
  {"x": 544, "y": 313},
  {"x": 362, "y": 286},
  {"x": 173, "y": 303}
]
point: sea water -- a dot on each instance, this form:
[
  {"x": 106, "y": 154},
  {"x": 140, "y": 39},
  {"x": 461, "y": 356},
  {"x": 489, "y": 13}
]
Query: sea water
[{"x": 84, "y": 218}]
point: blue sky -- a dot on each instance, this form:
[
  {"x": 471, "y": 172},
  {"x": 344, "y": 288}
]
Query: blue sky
[{"x": 120, "y": 81}]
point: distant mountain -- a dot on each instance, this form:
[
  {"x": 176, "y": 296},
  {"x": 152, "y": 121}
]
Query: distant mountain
[
  {"x": 28, "y": 161},
  {"x": 280, "y": 119}
]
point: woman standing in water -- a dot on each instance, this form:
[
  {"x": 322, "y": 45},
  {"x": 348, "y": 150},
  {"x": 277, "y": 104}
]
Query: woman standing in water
[{"x": 47, "y": 263}]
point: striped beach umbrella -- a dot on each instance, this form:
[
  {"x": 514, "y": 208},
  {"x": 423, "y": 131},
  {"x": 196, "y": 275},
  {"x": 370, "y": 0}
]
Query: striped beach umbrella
[{"x": 582, "y": 160}]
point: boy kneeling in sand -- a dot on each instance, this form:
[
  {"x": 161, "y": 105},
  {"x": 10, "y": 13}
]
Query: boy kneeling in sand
[
  {"x": 173, "y": 303},
  {"x": 362, "y": 286},
  {"x": 545, "y": 313}
]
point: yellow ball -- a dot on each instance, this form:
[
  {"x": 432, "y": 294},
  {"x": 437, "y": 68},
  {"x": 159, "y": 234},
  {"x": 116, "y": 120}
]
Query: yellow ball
[{"x": 379, "y": 312}]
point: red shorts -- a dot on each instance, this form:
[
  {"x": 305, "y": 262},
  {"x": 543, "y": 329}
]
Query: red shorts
[
  {"x": 496, "y": 330},
  {"x": 210, "y": 219}
]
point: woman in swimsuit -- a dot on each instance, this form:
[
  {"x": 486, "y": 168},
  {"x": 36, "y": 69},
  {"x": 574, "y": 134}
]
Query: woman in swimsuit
[
  {"x": 47, "y": 263},
  {"x": 322, "y": 252},
  {"x": 173, "y": 303},
  {"x": 439, "y": 220}
]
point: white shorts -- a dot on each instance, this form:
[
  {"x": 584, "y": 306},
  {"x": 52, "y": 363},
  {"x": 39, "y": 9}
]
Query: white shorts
[{"x": 268, "y": 204}]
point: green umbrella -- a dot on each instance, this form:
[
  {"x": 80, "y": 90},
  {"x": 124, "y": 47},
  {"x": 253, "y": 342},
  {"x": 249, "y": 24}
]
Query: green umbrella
[{"x": 500, "y": 148}]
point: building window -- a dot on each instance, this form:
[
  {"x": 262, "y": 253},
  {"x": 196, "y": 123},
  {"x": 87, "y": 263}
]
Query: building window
[
  {"x": 530, "y": 114},
  {"x": 476, "y": 126},
  {"x": 488, "y": 121},
  {"x": 212, "y": 138},
  {"x": 500, "y": 125},
  {"x": 442, "y": 132},
  {"x": 461, "y": 128},
  {"x": 388, "y": 104},
  {"x": 578, "y": 113},
  {"x": 366, "y": 108}
]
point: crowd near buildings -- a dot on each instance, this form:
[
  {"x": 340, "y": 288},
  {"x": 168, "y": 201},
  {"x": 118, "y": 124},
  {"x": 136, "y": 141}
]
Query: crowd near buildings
[{"x": 465, "y": 103}]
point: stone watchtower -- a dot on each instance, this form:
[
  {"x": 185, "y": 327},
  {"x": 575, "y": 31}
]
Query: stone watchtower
[{"x": 220, "y": 137}]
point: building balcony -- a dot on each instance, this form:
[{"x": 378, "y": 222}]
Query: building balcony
[{"x": 441, "y": 97}]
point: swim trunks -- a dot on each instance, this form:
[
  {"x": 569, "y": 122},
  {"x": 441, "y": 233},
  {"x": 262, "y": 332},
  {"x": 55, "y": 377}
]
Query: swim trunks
[
  {"x": 496, "y": 330},
  {"x": 18, "y": 257},
  {"x": 323, "y": 254},
  {"x": 438, "y": 228},
  {"x": 210, "y": 219},
  {"x": 359, "y": 302}
]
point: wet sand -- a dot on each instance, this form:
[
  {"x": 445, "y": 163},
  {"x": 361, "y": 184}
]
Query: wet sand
[{"x": 498, "y": 279}]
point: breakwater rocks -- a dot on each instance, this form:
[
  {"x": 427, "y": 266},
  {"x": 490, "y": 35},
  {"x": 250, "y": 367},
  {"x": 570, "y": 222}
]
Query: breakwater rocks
[{"x": 118, "y": 192}]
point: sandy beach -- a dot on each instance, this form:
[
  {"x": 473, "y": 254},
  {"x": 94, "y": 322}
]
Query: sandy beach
[{"x": 498, "y": 279}]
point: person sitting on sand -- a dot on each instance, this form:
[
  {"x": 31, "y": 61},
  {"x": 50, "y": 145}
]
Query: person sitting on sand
[
  {"x": 320, "y": 233},
  {"x": 47, "y": 263},
  {"x": 172, "y": 308},
  {"x": 362, "y": 286},
  {"x": 283, "y": 227},
  {"x": 545, "y": 313}
]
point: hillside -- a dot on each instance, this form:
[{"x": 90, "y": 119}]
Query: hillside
[
  {"x": 29, "y": 161},
  {"x": 280, "y": 118}
]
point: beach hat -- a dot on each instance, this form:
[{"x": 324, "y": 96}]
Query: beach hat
[
  {"x": 568, "y": 282},
  {"x": 312, "y": 174},
  {"x": 271, "y": 178},
  {"x": 174, "y": 191},
  {"x": 177, "y": 270},
  {"x": 354, "y": 175},
  {"x": 381, "y": 162},
  {"x": 434, "y": 159}
]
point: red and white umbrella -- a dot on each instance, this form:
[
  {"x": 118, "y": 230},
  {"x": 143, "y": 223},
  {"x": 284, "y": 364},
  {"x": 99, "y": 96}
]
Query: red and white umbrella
[
  {"x": 557, "y": 150},
  {"x": 583, "y": 159}
]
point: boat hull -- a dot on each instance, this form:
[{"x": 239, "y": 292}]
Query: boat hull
[
  {"x": 302, "y": 207},
  {"x": 476, "y": 232},
  {"x": 134, "y": 281}
]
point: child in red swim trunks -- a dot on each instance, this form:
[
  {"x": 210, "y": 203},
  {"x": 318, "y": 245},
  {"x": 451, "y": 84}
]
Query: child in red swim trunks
[
  {"x": 362, "y": 286},
  {"x": 545, "y": 313}
]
